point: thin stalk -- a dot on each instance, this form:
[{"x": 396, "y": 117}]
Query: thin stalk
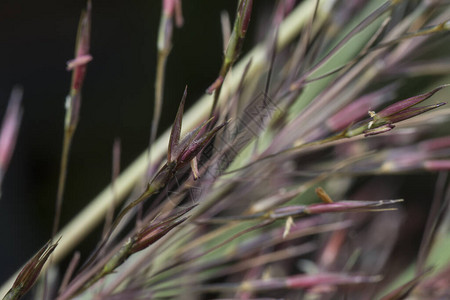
[
  {"x": 170, "y": 9},
  {"x": 233, "y": 49},
  {"x": 115, "y": 172},
  {"x": 81, "y": 225},
  {"x": 73, "y": 102},
  {"x": 70, "y": 270},
  {"x": 159, "y": 91},
  {"x": 68, "y": 135}
]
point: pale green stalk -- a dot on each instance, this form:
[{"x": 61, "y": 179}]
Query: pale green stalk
[{"x": 94, "y": 213}]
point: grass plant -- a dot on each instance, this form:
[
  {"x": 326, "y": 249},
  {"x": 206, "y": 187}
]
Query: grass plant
[{"x": 275, "y": 184}]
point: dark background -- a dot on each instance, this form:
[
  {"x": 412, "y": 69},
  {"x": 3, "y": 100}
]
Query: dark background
[{"x": 36, "y": 40}]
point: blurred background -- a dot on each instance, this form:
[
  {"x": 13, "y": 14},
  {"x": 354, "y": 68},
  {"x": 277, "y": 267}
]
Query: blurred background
[{"x": 37, "y": 38}]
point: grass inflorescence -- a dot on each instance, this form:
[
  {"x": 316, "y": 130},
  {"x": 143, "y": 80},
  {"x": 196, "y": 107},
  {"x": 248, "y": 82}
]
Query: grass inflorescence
[{"x": 279, "y": 176}]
